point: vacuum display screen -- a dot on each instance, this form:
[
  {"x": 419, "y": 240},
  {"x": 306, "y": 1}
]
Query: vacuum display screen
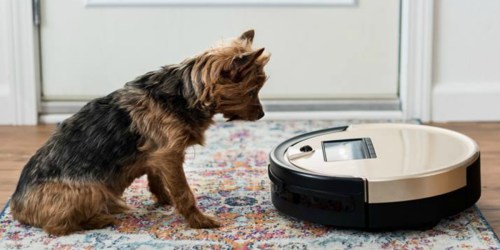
[{"x": 352, "y": 149}]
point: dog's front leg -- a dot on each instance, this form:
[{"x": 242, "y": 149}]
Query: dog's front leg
[
  {"x": 167, "y": 164},
  {"x": 158, "y": 188}
]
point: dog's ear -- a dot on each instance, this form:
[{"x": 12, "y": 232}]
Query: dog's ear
[
  {"x": 240, "y": 64},
  {"x": 248, "y": 36},
  {"x": 242, "y": 61}
]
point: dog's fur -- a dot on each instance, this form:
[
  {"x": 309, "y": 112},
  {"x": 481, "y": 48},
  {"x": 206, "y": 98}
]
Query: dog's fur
[{"x": 76, "y": 180}]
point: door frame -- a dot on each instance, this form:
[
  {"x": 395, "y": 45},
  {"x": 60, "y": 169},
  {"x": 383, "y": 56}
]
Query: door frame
[
  {"x": 417, "y": 24},
  {"x": 415, "y": 74},
  {"x": 20, "y": 48}
]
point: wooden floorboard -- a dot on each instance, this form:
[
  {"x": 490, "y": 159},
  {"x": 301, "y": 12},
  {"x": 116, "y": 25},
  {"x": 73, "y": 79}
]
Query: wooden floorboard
[
  {"x": 487, "y": 136},
  {"x": 17, "y": 144}
]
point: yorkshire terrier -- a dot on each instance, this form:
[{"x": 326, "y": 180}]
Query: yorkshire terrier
[{"x": 76, "y": 180}]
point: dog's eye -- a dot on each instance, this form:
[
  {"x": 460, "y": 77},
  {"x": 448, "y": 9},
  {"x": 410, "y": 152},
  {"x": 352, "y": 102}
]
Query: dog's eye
[
  {"x": 238, "y": 78},
  {"x": 225, "y": 74}
]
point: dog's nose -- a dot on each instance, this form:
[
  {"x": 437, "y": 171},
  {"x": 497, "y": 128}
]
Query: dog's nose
[{"x": 261, "y": 114}]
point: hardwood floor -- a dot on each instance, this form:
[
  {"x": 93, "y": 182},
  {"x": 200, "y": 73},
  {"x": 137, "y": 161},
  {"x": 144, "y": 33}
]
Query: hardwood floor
[
  {"x": 487, "y": 136},
  {"x": 17, "y": 144}
]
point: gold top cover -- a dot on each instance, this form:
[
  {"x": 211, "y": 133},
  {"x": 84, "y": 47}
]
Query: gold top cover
[{"x": 412, "y": 161}]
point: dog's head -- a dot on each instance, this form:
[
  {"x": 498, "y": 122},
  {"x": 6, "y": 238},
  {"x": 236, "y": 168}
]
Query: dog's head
[{"x": 231, "y": 76}]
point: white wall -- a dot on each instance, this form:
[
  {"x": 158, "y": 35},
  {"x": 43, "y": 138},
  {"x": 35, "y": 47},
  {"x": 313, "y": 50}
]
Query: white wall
[{"x": 466, "y": 60}]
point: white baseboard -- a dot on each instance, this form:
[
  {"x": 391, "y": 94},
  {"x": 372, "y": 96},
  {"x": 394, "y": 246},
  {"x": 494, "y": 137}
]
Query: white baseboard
[
  {"x": 54, "y": 112},
  {"x": 340, "y": 115},
  {"x": 52, "y": 118},
  {"x": 6, "y": 112},
  {"x": 334, "y": 115},
  {"x": 466, "y": 102}
]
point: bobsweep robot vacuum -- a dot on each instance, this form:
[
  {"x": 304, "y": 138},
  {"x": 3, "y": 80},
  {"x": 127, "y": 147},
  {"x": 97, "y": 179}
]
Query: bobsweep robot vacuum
[{"x": 376, "y": 176}]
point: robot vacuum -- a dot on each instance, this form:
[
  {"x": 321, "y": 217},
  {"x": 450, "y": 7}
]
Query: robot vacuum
[{"x": 376, "y": 176}]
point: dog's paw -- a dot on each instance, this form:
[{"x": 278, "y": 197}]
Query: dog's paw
[
  {"x": 203, "y": 221},
  {"x": 163, "y": 201}
]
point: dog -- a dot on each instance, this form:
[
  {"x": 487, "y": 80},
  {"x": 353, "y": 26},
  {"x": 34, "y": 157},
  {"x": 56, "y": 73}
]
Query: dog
[{"x": 75, "y": 181}]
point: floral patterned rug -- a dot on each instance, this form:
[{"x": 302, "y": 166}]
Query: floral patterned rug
[{"x": 229, "y": 178}]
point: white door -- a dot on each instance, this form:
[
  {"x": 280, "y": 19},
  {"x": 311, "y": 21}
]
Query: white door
[{"x": 321, "y": 49}]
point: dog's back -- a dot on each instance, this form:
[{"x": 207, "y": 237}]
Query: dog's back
[{"x": 79, "y": 161}]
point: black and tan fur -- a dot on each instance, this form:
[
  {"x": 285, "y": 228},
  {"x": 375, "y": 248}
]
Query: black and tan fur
[{"x": 76, "y": 180}]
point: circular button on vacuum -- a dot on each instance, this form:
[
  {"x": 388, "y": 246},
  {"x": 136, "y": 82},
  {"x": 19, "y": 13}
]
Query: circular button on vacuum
[{"x": 306, "y": 148}]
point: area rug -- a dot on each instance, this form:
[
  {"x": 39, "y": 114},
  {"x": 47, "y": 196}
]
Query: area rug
[{"x": 229, "y": 178}]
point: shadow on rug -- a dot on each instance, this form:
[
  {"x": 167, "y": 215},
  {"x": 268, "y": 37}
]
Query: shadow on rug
[{"x": 229, "y": 178}]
